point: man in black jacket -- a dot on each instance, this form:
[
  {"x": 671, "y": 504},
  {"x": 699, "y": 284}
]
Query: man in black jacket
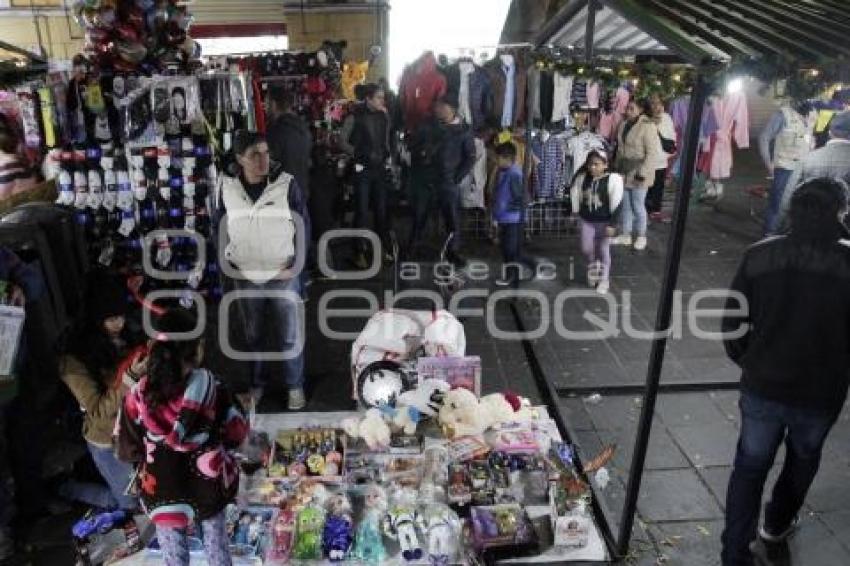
[
  {"x": 793, "y": 345},
  {"x": 290, "y": 141},
  {"x": 442, "y": 154},
  {"x": 365, "y": 136}
]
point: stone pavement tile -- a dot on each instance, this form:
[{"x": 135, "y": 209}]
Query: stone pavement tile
[
  {"x": 662, "y": 452},
  {"x": 815, "y": 545},
  {"x": 689, "y": 543},
  {"x": 838, "y": 441},
  {"x": 683, "y": 409},
  {"x": 717, "y": 479},
  {"x": 671, "y": 371},
  {"x": 829, "y": 491},
  {"x": 676, "y": 495},
  {"x": 580, "y": 351},
  {"x": 710, "y": 368},
  {"x": 575, "y": 414},
  {"x": 839, "y": 523},
  {"x": 690, "y": 347},
  {"x": 616, "y": 412},
  {"x": 727, "y": 402},
  {"x": 707, "y": 444},
  {"x": 628, "y": 348},
  {"x": 589, "y": 374}
]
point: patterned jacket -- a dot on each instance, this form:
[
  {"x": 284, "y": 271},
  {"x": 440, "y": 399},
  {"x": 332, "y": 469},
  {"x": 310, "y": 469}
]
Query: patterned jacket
[{"x": 186, "y": 472}]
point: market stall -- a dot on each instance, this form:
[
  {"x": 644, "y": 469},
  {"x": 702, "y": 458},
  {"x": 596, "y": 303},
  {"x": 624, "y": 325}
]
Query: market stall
[{"x": 779, "y": 43}]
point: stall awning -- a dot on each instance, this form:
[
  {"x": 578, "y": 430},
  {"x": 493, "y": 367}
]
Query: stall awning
[{"x": 702, "y": 30}]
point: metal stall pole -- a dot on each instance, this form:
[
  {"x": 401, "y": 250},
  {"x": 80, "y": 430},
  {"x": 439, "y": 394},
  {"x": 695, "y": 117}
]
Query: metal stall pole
[{"x": 665, "y": 306}]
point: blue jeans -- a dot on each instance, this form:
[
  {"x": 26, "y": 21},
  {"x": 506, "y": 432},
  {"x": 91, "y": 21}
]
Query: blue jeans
[
  {"x": 777, "y": 189},
  {"x": 286, "y": 325},
  {"x": 117, "y": 475},
  {"x": 633, "y": 212},
  {"x": 764, "y": 424}
]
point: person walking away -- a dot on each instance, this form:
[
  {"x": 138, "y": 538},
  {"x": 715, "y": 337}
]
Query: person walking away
[
  {"x": 596, "y": 196},
  {"x": 258, "y": 207},
  {"x": 831, "y": 161},
  {"x": 443, "y": 153},
  {"x": 509, "y": 215},
  {"x": 667, "y": 136},
  {"x": 106, "y": 358},
  {"x": 365, "y": 136},
  {"x": 289, "y": 138},
  {"x": 638, "y": 155},
  {"x": 791, "y": 132},
  {"x": 291, "y": 146},
  {"x": 790, "y": 339},
  {"x": 178, "y": 425}
]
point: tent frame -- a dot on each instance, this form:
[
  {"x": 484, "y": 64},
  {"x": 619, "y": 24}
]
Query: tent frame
[{"x": 708, "y": 35}]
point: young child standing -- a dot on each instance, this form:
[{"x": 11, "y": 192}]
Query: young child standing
[
  {"x": 509, "y": 214},
  {"x": 596, "y": 196},
  {"x": 178, "y": 426}
]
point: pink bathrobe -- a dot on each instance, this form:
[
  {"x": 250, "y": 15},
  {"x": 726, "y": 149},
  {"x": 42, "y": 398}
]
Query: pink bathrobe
[{"x": 733, "y": 123}]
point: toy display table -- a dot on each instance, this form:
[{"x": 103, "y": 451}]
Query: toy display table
[{"x": 594, "y": 551}]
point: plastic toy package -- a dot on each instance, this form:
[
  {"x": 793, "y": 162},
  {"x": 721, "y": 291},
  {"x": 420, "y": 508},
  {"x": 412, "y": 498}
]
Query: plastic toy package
[
  {"x": 308, "y": 452},
  {"x": 503, "y": 531}
]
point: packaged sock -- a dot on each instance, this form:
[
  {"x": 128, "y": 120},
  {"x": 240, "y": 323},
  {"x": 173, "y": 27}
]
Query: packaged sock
[
  {"x": 110, "y": 196},
  {"x": 125, "y": 190},
  {"x": 81, "y": 189},
  {"x": 95, "y": 189}
]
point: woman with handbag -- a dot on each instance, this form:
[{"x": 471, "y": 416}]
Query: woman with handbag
[{"x": 667, "y": 136}]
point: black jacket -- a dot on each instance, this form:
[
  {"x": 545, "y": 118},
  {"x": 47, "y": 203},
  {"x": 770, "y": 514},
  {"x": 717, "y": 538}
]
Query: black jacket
[
  {"x": 796, "y": 349},
  {"x": 290, "y": 144},
  {"x": 365, "y": 135},
  {"x": 445, "y": 151}
]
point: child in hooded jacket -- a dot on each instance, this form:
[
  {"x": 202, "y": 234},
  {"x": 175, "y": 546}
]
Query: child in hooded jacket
[
  {"x": 596, "y": 196},
  {"x": 178, "y": 426}
]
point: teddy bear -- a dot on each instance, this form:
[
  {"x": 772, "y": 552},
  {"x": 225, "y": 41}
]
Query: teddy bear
[
  {"x": 463, "y": 414},
  {"x": 372, "y": 428}
]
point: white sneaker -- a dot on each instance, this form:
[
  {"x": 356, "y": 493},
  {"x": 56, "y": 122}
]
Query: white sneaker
[
  {"x": 603, "y": 287},
  {"x": 622, "y": 240},
  {"x": 640, "y": 243},
  {"x": 297, "y": 399}
]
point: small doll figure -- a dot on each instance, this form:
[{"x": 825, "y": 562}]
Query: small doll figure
[
  {"x": 308, "y": 533},
  {"x": 441, "y": 526},
  {"x": 241, "y": 536},
  {"x": 338, "y": 534},
  {"x": 400, "y": 523},
  {"x": 282, "y": 535},
  {"x": 369, "y": 547},
  {"x": 255, "y": 529}
]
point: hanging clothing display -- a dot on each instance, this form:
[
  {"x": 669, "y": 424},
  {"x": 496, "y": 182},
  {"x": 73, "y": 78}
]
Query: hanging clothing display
[
  {"x": 609, "y": 122},
  {"x": 547, "y": 96},
  {"x": 732, "y": 125},
  {"x": 421, "y": 85},
  {"x": 472, "y": 86},
  {"x": 579, "y": 94},
  {"x": 593, "y": 95},
  {"x": 508, "y": 79},
  {"x": 679, "y": 111},
  {"x": 549, "y": 170},
  {"x": 561, "y": 96},
  {"x": 579, "y": 146}
]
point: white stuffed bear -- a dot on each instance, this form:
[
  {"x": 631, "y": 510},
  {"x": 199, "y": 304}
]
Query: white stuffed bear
[
  {"x": 371, "y": 428},
  {"x": 427, "y": 398},
  {"x": 463, "y": 414}
]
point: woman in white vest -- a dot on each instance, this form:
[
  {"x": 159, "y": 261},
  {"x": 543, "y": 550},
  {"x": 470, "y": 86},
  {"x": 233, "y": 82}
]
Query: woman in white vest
[
  {"x": 262, "y": 218},
  {"x": 791, "y": 131}
]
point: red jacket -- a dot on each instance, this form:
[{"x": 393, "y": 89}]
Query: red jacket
[{"x": 421, "y": 85}]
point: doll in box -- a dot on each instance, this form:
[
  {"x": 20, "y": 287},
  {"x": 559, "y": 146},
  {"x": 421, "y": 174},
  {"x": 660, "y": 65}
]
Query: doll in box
[
  {"x": 338, "y": 532},
  {"x": 400, "y": 523},
  {"x": 369, "y": 546},
  {"x": 308, "y": 534}
]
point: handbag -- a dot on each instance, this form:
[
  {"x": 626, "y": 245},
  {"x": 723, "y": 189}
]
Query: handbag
[{"x": 668, "y": 146}]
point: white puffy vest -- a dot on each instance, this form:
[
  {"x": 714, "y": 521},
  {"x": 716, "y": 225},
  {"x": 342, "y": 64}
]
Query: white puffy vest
[
  {"x": 261, "y": 233},
  {"x": 794, "y": 141}
]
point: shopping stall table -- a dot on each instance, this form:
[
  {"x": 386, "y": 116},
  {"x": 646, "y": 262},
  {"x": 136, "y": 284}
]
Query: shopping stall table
[{"x": 594, "y": 551}]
